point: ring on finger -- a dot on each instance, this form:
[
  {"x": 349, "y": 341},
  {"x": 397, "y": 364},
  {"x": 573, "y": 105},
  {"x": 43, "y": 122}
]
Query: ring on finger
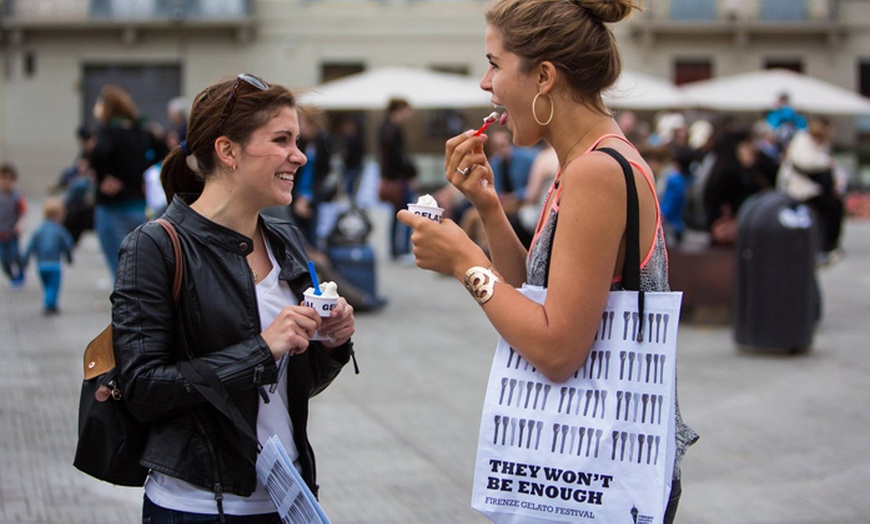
[{"x": 464, "y": 171}]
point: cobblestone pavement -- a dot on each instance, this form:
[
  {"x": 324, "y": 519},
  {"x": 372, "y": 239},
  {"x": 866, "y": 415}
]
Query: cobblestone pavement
[{"x": 784, "y": 439}]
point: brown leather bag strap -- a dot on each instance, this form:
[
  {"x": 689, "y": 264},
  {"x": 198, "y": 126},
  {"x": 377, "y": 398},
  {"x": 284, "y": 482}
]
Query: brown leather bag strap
[
  {"x": 99, "y": 355},
  {"x": 179, "y": 257}
]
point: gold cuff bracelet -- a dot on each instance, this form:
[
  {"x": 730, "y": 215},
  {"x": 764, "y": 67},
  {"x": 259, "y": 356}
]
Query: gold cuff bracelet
[{"x": 480, "y": 282}]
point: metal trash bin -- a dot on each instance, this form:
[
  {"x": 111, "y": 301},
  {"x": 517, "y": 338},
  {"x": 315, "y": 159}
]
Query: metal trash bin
[{"x": 777, "y": 302}]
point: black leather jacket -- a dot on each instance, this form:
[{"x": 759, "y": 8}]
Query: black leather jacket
[{"x": 217, "y": 321}]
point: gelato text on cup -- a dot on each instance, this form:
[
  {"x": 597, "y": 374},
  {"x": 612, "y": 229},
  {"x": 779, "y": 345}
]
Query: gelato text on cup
[{"x": 321, "y": 307}]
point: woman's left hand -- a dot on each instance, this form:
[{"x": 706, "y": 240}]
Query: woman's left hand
[
  {"x": 339, "y": 326},
  {"x": 443, "y": 248}
]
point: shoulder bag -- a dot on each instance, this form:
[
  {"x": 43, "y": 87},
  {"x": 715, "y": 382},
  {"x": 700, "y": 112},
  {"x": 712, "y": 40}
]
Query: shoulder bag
[
  {"x": 111, "y": 440},
  {"x": 600, "y": 446}
]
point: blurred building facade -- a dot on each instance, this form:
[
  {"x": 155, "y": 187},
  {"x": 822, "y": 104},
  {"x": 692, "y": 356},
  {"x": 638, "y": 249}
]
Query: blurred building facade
[{"x": 55, "y": 54}]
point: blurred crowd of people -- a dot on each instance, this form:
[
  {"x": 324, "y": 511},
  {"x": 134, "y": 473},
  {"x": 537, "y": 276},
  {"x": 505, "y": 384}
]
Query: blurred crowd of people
[
  {"x": 113, "y": 185},
  {"x": 705, "y": 170}
]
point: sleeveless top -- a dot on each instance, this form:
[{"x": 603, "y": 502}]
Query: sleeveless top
[{"x": 653, "y": 271}]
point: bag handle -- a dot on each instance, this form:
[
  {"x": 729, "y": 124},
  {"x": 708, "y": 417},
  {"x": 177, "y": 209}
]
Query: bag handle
[
  {"x": 99, "y": 355},
  {"x": 179, "y": 258},
  {"x": 631, "y": 267}
]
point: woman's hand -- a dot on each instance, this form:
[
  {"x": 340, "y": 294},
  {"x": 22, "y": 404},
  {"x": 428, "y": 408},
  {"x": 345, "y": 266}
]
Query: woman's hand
[
  {"x": 339, "y": 326},
  {"x": 111, "y": 185},
  {"x": 467, "y": 168},
  {"x": 443, "y": 248},
  {"x": 291, "y": 330}
]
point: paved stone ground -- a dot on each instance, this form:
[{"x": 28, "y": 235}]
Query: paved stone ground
[{"x": 784, "y": 439}]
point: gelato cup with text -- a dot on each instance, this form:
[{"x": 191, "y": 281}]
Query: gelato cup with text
[
  {"x": 323, "y": 303},
  {"x": 426, "y": 206}
]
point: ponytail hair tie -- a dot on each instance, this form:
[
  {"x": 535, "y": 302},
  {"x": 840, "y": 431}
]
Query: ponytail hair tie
[{"x": 184, "y": 148}]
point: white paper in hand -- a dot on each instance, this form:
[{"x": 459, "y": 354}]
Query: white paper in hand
[{"x": 291, "y": 496}]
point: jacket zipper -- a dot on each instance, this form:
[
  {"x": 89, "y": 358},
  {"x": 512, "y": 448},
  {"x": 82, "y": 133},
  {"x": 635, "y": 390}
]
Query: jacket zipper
[{"x": 217, "y": 488}]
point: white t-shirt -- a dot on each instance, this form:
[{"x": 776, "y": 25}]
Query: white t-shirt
[
  {"x": 155, "y": 197},
  {"x": 273, "y": 419}
]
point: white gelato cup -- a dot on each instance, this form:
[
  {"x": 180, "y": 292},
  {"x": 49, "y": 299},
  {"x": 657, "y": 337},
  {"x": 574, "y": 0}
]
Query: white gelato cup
[
  {"x": 323, "y": 305},
  {"x": 432, "y": 213}
]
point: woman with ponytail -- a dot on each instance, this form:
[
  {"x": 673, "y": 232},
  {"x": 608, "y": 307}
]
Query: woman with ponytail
[{"x": 239, "y": 313}]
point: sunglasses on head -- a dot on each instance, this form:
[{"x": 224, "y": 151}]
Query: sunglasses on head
[{"x": 234, "y": 94}]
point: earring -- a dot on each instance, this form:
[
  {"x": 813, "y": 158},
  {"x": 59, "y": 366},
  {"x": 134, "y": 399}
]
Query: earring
[
  {"x": 535, "y": 114},
  {"x": 233, "y": 168}
]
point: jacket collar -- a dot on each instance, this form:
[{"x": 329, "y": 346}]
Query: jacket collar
[{"x": 279, "y": 234}]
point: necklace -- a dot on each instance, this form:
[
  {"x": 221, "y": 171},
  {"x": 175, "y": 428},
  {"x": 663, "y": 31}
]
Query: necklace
[
  {"x": 568, "y": 154},
  {"x": 254, "y": 274}
]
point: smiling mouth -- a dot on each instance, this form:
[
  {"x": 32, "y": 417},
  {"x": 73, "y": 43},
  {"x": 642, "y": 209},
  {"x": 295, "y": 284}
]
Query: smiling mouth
[{"x": 286, "y": 177}]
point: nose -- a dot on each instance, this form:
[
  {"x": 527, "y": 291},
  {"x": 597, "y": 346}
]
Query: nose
[{"x": 486, "y": 82}]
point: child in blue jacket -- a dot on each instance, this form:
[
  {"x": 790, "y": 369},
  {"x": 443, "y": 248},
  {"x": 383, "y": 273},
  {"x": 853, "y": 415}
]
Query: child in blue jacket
[{"x": 49, "y": 243}]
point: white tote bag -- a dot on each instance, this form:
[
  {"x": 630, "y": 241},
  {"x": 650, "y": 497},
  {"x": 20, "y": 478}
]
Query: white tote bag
[{"x": 596, "y": 448}]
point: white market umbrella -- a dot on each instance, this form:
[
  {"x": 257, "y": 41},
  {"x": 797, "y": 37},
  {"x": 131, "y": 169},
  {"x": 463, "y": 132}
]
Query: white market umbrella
[
  {"x": 640, "y": 91},
  {"x": 422, "y": 88},
  {"x": 759, "y": 90}
]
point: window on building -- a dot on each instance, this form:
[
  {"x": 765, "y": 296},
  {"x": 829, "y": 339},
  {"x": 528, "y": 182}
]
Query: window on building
[
  {"x": 330, "y": 71},
  {"x": 150, "y": 85},
  {"x": 783, "y": 10},
  {"x": 686, "y": 71},
  {"x": 697, "y": 10},
  {"x": 778, "y": 63},
  {"x": 455, "y": 69}
]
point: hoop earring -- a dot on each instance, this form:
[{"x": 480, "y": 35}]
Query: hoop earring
[{"x": 535, "y": 114}]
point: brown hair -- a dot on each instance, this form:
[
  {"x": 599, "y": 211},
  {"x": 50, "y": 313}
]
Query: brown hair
[
  {"x": 252, "y": 109},
  {"x": 820, "y": 128},
  {"x": 8, "y": 169},
  {"x": 396, "y": 104},
  {"x": 569, "y": 33},
  {"x": 117, "y": 103}
]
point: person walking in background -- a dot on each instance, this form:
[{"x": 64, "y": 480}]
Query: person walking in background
[
  {"x": 550, "y": 61},
  {"x": 313, "y": 185},
  {"x": 13, "y": 207},
  {"x": 69, "y": 174},
  {"x": 541, "y": 177},
  {"x": 352, "y": 156},
  {"x": 240, "y": 312},
  {"x": 155, "y": 198},
  {"x": 76, "y": 182},
  {"x": 785, "y": 120},
  {"x": 119, "y": 160},
  {"x": 810, "y": 175},
  {"x": 398, "y": 171},
  {"x": 49, "y": 244},
  {"x": 511, "y": 168},
  {"x": 679, "y": 178},
  {"x": 735, "y": 176},
  {"x": 78, "y": 201},
  {"x": 176, "y": 112}
]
